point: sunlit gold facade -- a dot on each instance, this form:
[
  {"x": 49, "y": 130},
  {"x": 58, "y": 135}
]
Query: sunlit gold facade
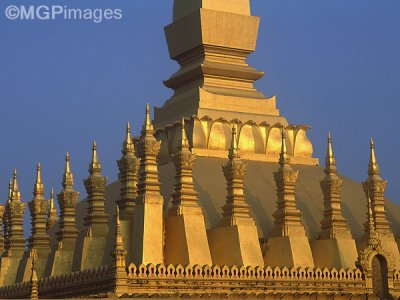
[{"x": 219, "y": 197}]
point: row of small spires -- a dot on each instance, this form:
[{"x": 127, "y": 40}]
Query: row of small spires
[{"x": 234, "y": 152}]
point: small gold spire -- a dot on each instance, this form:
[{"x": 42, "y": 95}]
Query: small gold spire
[
  {"x": 52, "y": 199},
  {"x": 16, "y": 195},
  {"x": 94, "y": 165},
  {"x": 284, "y": 157},
  {"x": 9, "y": 190},
  {"x": 148, "y": 126},
  {"x": 38, "y": 187},
  {"x": 15, "y": 184},
  {"x": 330, "y": 161},
  {"x": 234, "y": 150},
  {"x": 184, "y": 140},
  {"x": 68, "y": 178},
  {"x": 373, "y": 167},
  {"x": 67, "y": 163},
  {"x": 128, "y": 140},
  {"x": 94, "y": 153}
]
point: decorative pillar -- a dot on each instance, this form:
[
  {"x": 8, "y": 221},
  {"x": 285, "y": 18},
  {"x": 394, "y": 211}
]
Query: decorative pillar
[
  {"x": 61, "y": 259},
  {"x": 39, "y": 241},
  {"x": 236, "y": 230},
  {"x": 95, "y": 186},
  {"x": 93, "y": 238},
  {"x": 38, "y": 209},
  {"x": 15, "y": 245},
  {"x": 67, "y": 200},
  {"x": 382, "y": 241},
  {"x": 335, "y": 246},
  {"x": 148, "y": 229},
  {"x": 374, "y": 187},
  {"x": 185, "y": 234},
  {"x": 128, "y": 167},
  {"x": 16, "y": 228},
  {"x": 287, "y": 244}
]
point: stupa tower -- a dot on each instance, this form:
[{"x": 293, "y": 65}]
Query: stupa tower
[{"x": 214, "y": 87}]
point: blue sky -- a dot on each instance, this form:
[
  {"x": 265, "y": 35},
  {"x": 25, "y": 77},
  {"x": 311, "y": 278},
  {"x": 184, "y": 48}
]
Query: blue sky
[{"x": 334, "y": 65}]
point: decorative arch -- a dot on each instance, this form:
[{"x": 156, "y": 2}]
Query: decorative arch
[
  {"x": 220, "y": 135},
  {"x": 250, "y": 139},
  {"x": 200, "y": 131},
  {"x": 378, "y": 268},
  {"x": 302, "y": 144}
]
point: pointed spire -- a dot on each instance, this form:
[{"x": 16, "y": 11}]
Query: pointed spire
[
  {"x": 51, "y": 212},
  {"x": 330, "y": 161},
  {"x": 52, "y": 198},
  {"x": 67, "y": 163},
  {"x": 284, "y": 157},
  {"x": 128, "y": 147},
  {"x": 184, "y": 140},
  {"x": 234, "y": 149},
  {"x": 9, "y": 190},
  {"x": 94, "y": 166},
  {"x": 16, "y": 195},
  {"x": 373, "y": 168},
  {"x": 68, "y": 178},
  {"x": 38, "y": 189},
  {"x": 128, "y": 139},
  {"x": 148, "y": 126}
]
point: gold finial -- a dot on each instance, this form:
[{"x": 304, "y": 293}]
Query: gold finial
[
  {"x": 94, "y": 165},
  {"x": 38, "y": 174},
  {"x": 330, "y": 161},
  {"x": 67, "y": 163},
  {"x": 284, "y": 157},
  {"x": 52, "y": 199},
  {"x": 128, "y": 140},
  {"x": 15, "y": 184},
  {"x": 127, "y": 146},
  {"x": 148, "y": 126},
  {"x": 234, "y": 150},
  {"x": 184, "y": 140},
  {"x": 94, "y": 153},
  {"x": 9, "y": 190},
  {"x": 373, "y": 168},
  {"x": 15, "y": 195},
  {"x": 68, "y": 178},
  {"x": 38, "y": 189}
]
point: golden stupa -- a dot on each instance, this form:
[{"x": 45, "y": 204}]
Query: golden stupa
[{"x": 219, "y": 197}]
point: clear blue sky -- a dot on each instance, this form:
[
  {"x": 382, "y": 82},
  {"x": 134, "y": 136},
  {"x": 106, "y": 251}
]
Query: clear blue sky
[{"x": 334, "y": 65}]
